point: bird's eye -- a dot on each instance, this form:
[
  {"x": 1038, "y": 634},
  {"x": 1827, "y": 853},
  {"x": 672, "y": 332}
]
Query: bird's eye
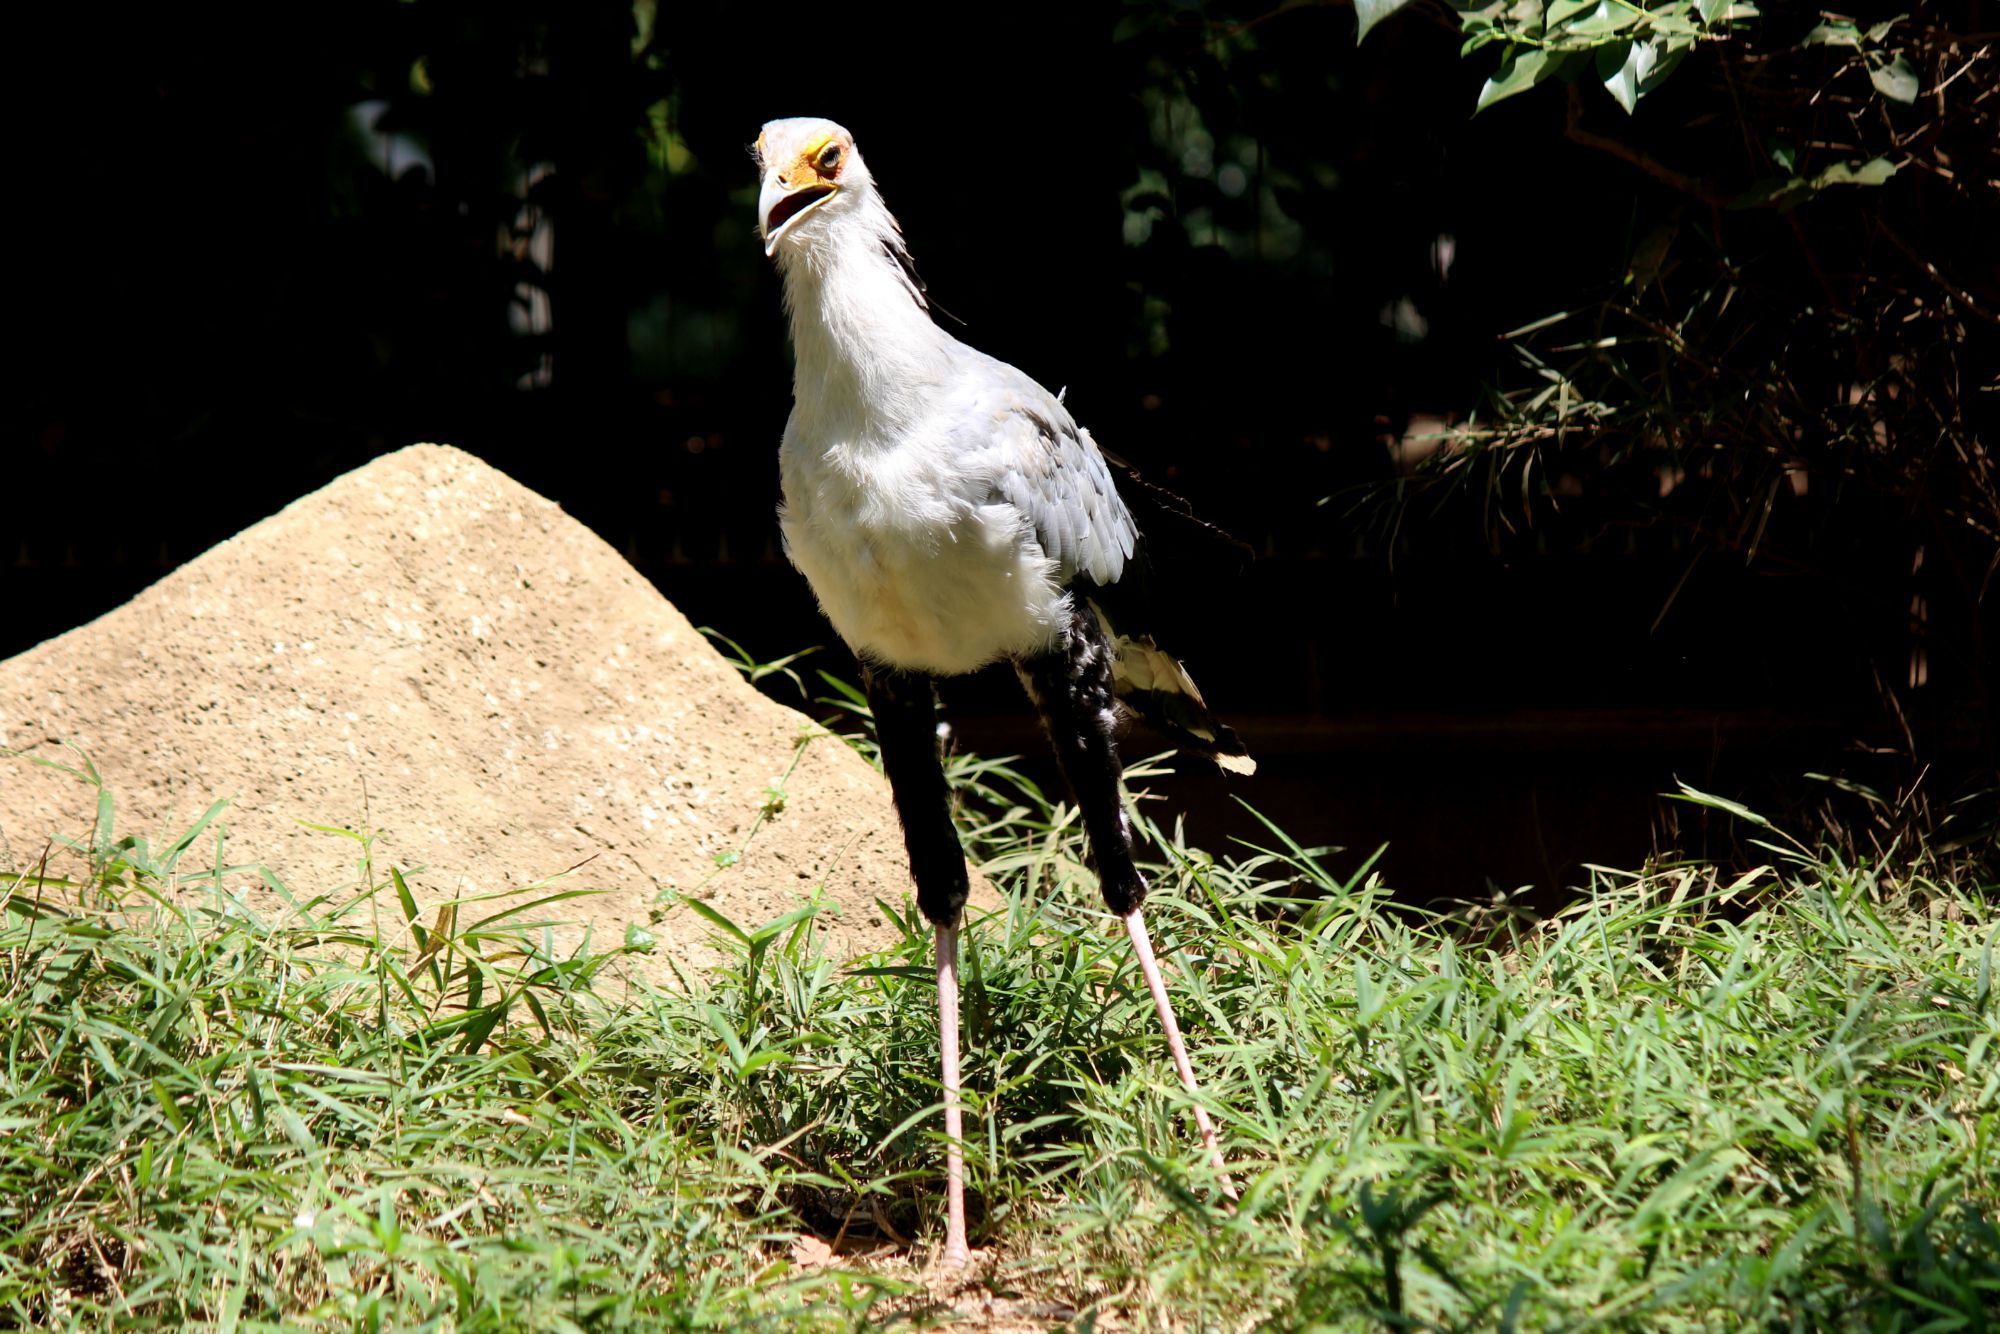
[{"x": 829, "y": 160}]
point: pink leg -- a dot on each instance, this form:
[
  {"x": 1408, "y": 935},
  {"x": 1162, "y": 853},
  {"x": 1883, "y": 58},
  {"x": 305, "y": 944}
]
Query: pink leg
[
  {"x": 955, "y": 1249},
  {"x": 1142, "y": 945}
]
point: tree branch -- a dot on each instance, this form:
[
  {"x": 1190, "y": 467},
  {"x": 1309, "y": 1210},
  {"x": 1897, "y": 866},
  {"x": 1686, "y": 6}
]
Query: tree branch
[{"x": 1692, "y": 186}]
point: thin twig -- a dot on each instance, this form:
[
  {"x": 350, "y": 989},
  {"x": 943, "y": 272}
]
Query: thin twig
[{"x": 1963, "y": 297}]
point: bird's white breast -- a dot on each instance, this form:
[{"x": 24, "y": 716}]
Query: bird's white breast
[{"x": 913, "y": 559}]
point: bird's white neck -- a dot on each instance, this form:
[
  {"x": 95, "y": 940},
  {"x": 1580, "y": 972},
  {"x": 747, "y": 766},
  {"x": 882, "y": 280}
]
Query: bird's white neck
[{"x": 864, "y": 342}]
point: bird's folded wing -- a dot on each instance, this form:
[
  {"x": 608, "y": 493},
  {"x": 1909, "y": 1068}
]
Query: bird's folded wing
[{"x": 1046, "y": 467}]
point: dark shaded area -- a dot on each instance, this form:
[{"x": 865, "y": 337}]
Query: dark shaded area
[{"x": 260, "y": 250}]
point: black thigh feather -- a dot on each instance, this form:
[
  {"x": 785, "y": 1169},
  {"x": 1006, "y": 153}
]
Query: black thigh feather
[
  {"x": 1072, "y": 688},
  {"x": 905, "y": 708}
]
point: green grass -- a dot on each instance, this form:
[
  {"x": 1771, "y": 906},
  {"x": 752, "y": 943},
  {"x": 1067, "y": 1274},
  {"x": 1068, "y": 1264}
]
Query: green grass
[{"x": 1694, "y": 1101}]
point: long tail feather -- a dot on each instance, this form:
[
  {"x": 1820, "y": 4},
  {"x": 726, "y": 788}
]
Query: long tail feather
[{"x": 1153, "y": 684}]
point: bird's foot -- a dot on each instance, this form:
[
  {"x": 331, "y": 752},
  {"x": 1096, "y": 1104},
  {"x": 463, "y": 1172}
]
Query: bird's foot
[{"x": 954, "y": 1259}]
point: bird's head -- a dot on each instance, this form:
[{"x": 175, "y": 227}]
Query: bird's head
[{"x": 812, "y": 173}]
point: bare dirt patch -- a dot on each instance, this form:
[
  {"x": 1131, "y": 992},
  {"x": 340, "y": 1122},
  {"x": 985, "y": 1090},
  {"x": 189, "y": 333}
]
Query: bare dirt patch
[{"x": 515, "y": 698}]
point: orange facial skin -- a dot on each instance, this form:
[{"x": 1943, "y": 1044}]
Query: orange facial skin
[{"x": 819, "y": 162}]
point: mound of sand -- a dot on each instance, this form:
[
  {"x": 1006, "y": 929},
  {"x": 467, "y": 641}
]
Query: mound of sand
[{"x": 511, "y": 696}]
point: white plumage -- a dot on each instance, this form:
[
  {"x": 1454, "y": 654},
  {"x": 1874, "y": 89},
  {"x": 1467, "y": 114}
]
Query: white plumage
[
  {"x": 937, "y": 500},
  {"x": 949, "y": 512}
]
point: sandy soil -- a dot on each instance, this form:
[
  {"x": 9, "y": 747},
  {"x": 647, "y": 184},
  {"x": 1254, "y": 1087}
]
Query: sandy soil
[{"x": 428, "y": 649}]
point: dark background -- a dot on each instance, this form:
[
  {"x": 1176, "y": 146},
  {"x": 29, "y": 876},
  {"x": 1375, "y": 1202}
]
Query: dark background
[{"x": 259, "y": 247}]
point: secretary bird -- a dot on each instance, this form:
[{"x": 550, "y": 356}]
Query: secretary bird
[{"x": 948, "y": 513}]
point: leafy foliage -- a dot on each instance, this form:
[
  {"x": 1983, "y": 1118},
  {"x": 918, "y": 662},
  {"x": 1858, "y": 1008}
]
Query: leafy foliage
[
  {"x": 1630, "y": 48},
  {"x": 1792, "y": 361}
]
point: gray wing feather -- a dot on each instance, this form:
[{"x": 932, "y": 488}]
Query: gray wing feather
[{"x": 1059, "y": 482}]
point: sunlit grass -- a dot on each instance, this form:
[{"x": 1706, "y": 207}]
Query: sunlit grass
[{"x": 1694, "y": 1100}]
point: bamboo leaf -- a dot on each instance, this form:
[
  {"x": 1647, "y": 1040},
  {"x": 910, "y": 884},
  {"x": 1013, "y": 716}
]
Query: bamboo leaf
[
  {"x": 1368, "y": 13},
  {"x": 1520, "y": 71},
  {"x": 1896, "y": 80}
]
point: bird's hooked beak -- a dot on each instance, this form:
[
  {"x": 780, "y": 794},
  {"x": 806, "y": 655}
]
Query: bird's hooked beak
[{"x": 793, "y": 190}]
